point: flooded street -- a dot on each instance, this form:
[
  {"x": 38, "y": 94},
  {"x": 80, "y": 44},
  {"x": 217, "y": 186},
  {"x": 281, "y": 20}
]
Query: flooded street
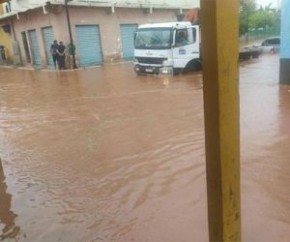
[{"x": 105, "y": 155}]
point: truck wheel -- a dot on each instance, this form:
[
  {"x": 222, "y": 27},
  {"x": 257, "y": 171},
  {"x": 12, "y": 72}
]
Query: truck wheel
[
  {"x": 194, "y": 65},
  {"x": 138, "y": 72},
  {"x": 255, "y": 55},
  {"x": 198, "y": 66},
  {"x": 176, "y": 71}
]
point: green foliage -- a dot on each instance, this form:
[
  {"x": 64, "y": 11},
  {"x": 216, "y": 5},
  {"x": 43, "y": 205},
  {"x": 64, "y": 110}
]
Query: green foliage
[
  {"x": 247, "y": 9},
  {"x": 253, "y": 18},
  {"x": 264, "y": 18}
]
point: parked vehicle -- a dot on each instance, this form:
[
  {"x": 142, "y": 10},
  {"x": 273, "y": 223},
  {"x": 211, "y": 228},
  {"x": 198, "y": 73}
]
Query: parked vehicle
[
  {"x": 270, "y": 45},
  {"x": 173, "y": 47},
  {"x": 248, "y": 52},
  {"x": 167, "y": 47}
]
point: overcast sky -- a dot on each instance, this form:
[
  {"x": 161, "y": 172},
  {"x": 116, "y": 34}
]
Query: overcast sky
[{"x": 275, "y": 3}]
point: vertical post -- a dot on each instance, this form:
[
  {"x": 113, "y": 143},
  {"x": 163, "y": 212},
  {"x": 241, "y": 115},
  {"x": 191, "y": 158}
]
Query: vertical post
[
  {"x": 70, "y": 34},
  {"x": 15, "y": 45},
  {"x": 7, "y": 217},
  {"x": 285, "y": 43},
  {"x": 220, "y": 30}
]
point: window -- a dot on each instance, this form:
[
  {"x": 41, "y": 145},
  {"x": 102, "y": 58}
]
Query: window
[
  {"x": 153, "y": 38},
  {"x": 7, "y": 7},
  {"x": 185, "y": 37},
  {"x": 274, "y": 41}
]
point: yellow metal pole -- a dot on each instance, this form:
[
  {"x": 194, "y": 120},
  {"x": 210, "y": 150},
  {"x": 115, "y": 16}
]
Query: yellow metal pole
[{"x": 219, "y": 27}]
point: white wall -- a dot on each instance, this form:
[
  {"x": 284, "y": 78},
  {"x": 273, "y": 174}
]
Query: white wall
[
  {"x": 23, "y": 5},
  {"x": 160, "y": 3},
  {"x": 122, "y": 3}
]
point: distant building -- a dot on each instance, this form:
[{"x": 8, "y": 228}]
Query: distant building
[
  {"x": 102, "y": 31},
  {"x": 6, "y": 50}
]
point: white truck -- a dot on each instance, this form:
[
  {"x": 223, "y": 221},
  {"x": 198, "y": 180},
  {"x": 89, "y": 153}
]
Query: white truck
[{"x": 165, "y": 48}]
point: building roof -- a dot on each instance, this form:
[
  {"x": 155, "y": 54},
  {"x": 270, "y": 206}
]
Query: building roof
[
  {"x": 27, "y": 5},
  {"x": 186, "y": 4},
  {"x": 165, "y": 25}
]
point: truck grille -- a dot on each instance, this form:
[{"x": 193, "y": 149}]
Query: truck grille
[{"x": 151, "y": 60}]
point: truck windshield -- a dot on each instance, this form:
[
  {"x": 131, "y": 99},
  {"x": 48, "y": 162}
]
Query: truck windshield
[{"x": 153, "y": 38}]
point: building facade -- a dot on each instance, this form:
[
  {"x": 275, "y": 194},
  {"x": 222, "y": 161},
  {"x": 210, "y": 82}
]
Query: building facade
[
  {"x": 6, "y": 49},
  {"x": 101, "y": 31}
]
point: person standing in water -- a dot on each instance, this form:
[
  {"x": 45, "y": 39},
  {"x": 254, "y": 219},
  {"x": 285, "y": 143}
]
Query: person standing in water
[
  {"x": 61, "y": 56},
  {"x": 53, "y": 51}
]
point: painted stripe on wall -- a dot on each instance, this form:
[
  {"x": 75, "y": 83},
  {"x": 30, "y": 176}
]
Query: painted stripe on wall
[{"x": 285, "y": 30}]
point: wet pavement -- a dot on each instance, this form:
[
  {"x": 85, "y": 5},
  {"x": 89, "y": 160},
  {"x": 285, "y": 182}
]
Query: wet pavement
[{"x": 104, "y": 155}]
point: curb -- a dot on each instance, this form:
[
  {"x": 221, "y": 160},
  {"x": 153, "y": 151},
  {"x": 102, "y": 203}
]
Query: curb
[{"x": 66, "y": 70}]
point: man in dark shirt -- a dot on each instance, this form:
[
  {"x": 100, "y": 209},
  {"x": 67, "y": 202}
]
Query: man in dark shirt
[
  {"x": 61, "y": 56},
  {"x": 53, "y": 51},
  {"x": 181, "y": 38}
]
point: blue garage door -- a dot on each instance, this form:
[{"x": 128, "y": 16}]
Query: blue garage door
[
  {"x": 48, "y": 38},
  {"x": 89, "y": 45},
  {"x": 36, "y": 60},
  {"x": 127, "y": 35}
]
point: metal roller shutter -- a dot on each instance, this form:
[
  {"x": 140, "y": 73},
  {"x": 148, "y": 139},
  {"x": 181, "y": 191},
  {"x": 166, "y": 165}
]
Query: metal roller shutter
[
  {"x": 48, "y": 39},
  {"x": 127, "y": 36},
  {"x": 36, "y": 59},
  {"x": 89, "y": 45}
]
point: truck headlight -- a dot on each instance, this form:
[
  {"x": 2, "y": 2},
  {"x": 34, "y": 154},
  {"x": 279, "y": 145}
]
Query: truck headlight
[{"x": 167, "y": 62}]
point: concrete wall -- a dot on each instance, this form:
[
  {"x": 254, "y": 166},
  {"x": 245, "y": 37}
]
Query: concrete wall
[
  {"x": 6, "y": 40},
  {"x": 109, "y": 24},
  {"x": 34, "y": 19},
  {"x": 23, "y": 5},
  {"x": 160, "y": 2}
]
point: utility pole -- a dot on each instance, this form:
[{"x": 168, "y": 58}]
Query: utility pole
[
  {"x": 70, "y": 34},
  {"x": 220, "y": 31}
]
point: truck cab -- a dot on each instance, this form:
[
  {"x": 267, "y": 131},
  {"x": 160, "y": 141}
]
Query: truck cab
[{"x": 167, "y": 48}]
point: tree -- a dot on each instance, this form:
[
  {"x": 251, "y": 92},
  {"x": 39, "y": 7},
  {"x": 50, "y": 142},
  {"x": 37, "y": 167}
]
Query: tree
[
  {"x": 265, "y": 17},
  {"x": 261, "y": 19},
  {"x": 247, "y": 9}
]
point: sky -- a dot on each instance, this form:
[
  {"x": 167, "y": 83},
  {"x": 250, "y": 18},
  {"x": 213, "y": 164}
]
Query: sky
[{"x": 275, "y": 3}]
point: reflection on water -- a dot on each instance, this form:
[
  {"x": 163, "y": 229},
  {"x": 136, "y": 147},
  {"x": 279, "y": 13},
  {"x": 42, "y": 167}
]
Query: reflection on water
[
  {"x": 7, "y": 217},
  {"x": 265, "y": 138},
  {"x": 100, "y": 156},
  {"x": 103, "y": 155}
]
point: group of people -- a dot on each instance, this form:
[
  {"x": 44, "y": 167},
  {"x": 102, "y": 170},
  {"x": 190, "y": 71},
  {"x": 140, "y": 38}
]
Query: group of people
[{"x": 57, "y": 51}]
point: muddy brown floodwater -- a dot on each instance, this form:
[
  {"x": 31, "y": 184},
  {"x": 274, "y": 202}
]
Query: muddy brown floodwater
[{"x": 104, "y": 155}]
